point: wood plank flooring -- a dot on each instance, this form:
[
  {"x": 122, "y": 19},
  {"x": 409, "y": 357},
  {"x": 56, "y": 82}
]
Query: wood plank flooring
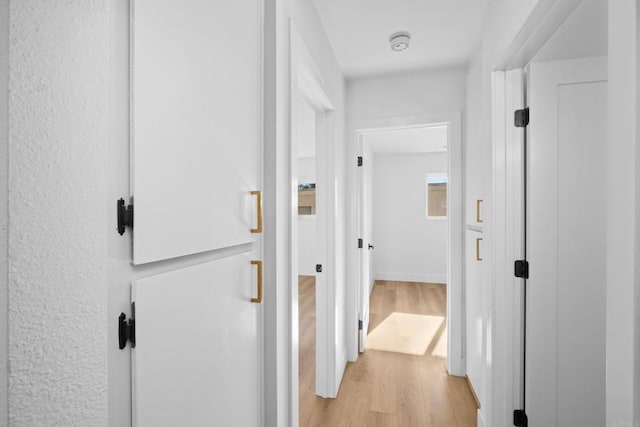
[{"x": 384, "y": 388}]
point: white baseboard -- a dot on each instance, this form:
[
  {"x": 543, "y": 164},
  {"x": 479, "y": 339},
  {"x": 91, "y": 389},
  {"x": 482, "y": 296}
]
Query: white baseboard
[
  {"x": 340, "y": 367},
  {"x": 410, "y": 277},
  {"x": 481, "y": 422}
]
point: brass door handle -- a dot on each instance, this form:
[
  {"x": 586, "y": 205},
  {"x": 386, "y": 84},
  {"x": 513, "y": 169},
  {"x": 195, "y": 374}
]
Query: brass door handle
[
  {"x": 478, "y": 202},
  {"x": 478, "y": 240},
  {"x": 258, "y": 299},
  {"x": 258, "y": 195}
]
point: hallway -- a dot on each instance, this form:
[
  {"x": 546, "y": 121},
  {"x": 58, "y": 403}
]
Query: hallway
[{"x": 385, "y": 388}]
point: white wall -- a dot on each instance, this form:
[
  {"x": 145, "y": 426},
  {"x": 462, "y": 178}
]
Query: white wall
[
  {"x": 277, "y": 184},
  {"x": 393, "y": 96},
  {"x": 307, "y": 224},
  {"x": 306, "y": 170},
  {"x": 583, "y": 34},
  {"x": 4, "y": 142},
  {"x": 408, "y": 245},
  {"x": 305, "y": 133},
  {"x": 433, "y": 91},
  {"x": 58, "y": 218}
]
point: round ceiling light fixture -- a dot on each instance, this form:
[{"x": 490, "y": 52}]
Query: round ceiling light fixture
[{"x": 400, "y": 41}]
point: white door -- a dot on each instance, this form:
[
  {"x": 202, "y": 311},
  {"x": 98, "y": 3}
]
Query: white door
[
  {"x": 195, "y": 155},
  {"x": 195, "y": 125},
  {"x": 565, "y": 372},
  {"x": 365, "y": 252},
  {"x": 196, "y": 361}
]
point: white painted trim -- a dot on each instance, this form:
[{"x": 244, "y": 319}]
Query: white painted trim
[
  {"x": 341, "y": 366},
  {"x": 506, "y": 310},
  {"x": 306, "y": 81},
  {"x": 408, "y": 277},
  {"x": 543, "y": 21},
  {"x": 455, "y": 303},
  {"x": 623, "y": 215}
]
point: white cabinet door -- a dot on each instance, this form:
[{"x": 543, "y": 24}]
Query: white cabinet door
[
  {"x": 566, "y": 321},
  {"x": 196, "y": 360},
  {"x": 195, "y": 124},
  {"x": 475, "y": 297}
]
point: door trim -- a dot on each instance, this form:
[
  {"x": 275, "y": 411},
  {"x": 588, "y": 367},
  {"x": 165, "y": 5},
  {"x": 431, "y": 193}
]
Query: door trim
[
  {"x": 456, "y": 364},
  {"x": 307, "y": 82}
]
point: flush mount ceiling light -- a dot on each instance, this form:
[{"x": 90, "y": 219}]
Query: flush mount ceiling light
[{"x": 399, "y": 41}]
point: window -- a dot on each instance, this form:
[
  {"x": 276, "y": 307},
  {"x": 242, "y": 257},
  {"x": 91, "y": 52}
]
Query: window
[{"x": 436, "y": 196}]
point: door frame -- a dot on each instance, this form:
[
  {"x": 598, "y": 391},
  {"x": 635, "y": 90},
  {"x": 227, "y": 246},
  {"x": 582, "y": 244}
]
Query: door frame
[
  {"x": 456, "y": 364},
  {"x": 508, "y": 82},
  {"x": 307, "y": 82}
]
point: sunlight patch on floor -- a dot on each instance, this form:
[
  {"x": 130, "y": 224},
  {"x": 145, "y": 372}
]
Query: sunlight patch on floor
[{"x": 405, "y": 333}]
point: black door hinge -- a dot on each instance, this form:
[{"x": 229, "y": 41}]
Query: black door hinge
[
  {"x": 520, "y": 418},
  {"x": 359, "y": 325},
  {"x": 318, "y": 268},
  {"x": 125, "y": 216},
  {"x": 360, "y": 161},
  {"x": 360, "y": 243},
  {"x": 521, "y": 268},
  {"x": 127, "y": 328},
  {"x": 521, "y": 118}
]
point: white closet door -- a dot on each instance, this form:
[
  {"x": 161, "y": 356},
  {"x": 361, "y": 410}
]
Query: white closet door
[
  {"x": 196, "y": 360},
  {"x": 565, "y": 379},
  {"x": 195, "y": 124}
]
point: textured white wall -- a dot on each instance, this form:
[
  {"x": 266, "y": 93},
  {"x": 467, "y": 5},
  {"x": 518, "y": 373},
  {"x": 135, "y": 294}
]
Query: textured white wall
[
  {"x": 57, "y": 229},
  {"x": 4, "y": 142},
  {"x": 408, "y": 245}
]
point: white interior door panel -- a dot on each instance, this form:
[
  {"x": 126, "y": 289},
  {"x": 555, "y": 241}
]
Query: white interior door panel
[
  {"x": 565, "y": 372},
  {"x": 195, "y": 125},
  {"x": 196, "y": 360}
]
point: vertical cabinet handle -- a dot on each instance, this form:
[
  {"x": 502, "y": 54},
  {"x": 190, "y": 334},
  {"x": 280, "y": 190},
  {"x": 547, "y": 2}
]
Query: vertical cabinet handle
[
  {"x": 478, "y": 240},
  {"x": 478, "y": 203},
  {"x": 258, "y": 195},
  {"x": 258, "y": 299}
]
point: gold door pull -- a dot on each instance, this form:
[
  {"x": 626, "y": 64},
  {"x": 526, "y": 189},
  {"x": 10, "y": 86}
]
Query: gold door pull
[
  {"x": 258, "y": 300},
  {"x": 478, "y": 203},
  {"x": 258, "y": 195},
  {"x": 478, "y": 240}
]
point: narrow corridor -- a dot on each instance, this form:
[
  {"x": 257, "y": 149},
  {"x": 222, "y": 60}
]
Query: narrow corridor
[{"x": 386, "y": 388}]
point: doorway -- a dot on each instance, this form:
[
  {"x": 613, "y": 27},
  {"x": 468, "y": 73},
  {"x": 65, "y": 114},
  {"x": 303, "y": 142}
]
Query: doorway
[
  {"x": 392, "y": 381},
  {"x": 430, "y": 145},
  {"x": 309, "y": 220},
  {"x": 312, "y": 279}
]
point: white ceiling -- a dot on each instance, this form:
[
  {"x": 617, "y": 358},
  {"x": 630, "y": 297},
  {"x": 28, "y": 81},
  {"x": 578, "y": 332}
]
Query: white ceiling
[
  {"x": 444, "y": 33},
  {"x": 414, "y": 140}
]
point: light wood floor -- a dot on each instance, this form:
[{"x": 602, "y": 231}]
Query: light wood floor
[{"x": 384, "y": 388}]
